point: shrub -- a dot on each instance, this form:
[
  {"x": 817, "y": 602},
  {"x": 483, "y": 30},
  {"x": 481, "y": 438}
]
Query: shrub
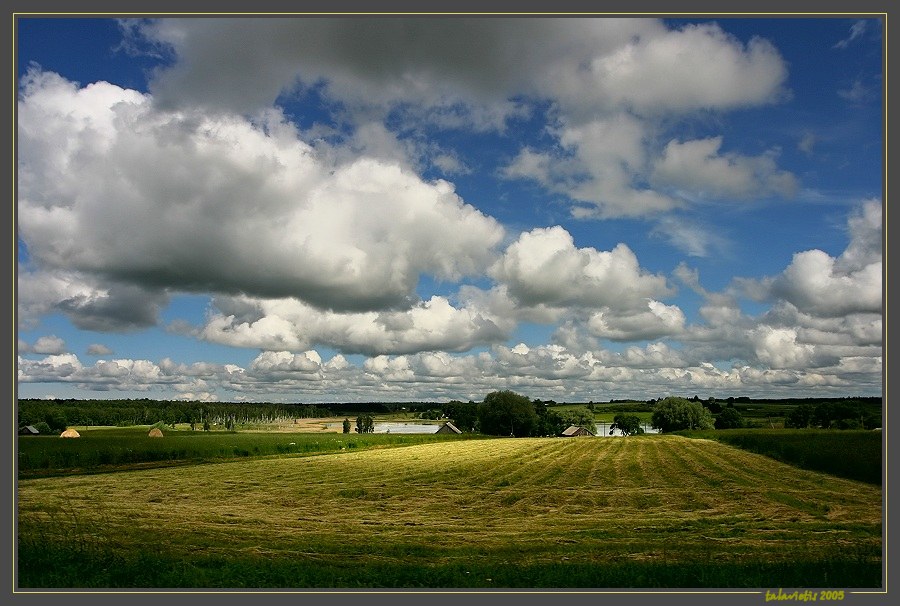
[{"x": 729, "y": 418}]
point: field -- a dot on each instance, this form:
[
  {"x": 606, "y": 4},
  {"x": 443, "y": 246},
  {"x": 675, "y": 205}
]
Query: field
[
  {"x": 646, "y": 511},
  {"x": 852, "y": 454},
  {"x": 117, "y": 448}
]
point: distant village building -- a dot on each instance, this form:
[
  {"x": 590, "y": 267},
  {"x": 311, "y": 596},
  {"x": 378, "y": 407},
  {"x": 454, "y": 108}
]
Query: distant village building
[
  {"x": 574, "y": 430},
  {"x": 29, "y": 430},
  {"x": 448, "y": 427}
]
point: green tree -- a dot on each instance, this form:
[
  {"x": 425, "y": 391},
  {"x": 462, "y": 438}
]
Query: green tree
[
  {"x": 56, "y": 420},
  {"x": 506, "y": 413},
  {"x": 346, "y": 425},
  {"x": 673, "y": 414},
  {"x": 581, "y": 418},
  {"x": 629, "y": 425},
  {"x": 365, "y": 424},
  {"x": 550, "y": 422},
  {"x": 729, "y": 418},
  {"x": 463, "y": 414},
  {"x": 43, "y": 428}
]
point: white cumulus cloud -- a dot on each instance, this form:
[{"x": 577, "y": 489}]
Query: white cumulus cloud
[
  {"x": 201, "y": 202},
  {"x": 822, "y": 285},
  {"x": 50, "y": 344},
  {"x": 289, "y": 324},
  {"x": 699, "y": 167},
  {"x": 545, "y": 267}
]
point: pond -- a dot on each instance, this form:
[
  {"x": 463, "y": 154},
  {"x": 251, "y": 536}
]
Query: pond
[
  {"x": 393, "y": 427},
  {"x": 602, "y": 430}
]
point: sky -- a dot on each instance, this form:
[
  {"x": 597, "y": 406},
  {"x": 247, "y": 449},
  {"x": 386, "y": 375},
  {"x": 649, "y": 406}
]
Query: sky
[{"x": 312, "y": 209}]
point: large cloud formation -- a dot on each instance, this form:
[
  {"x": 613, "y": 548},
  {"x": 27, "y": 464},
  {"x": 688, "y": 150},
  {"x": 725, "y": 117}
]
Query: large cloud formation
[
  {"x": 784, "y": 348},
  {"x": 613, "y": 84},
  {"x": 205, "y": 202},
  {"x": 637, "y": 64},
  {"x": 317, "y": 239},
  {"x": 292, "y": 325}
]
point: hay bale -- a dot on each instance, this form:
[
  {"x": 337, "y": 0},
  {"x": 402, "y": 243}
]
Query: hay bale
[
  {"x": 70, "y": 433},
  {"x": 155, "y": 433}
]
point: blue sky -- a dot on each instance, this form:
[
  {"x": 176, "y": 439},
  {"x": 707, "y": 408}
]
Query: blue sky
[{"x": 298, "y": 209}]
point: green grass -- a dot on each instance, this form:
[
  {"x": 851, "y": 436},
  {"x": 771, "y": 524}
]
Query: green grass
[
  {"x": 56, "y": 567},
  {"x": 105, "y": 449},
  {"x": 650, "y": 511},
  {"x": 608, "y": 417},
  {"x": 852, "y": 454}
]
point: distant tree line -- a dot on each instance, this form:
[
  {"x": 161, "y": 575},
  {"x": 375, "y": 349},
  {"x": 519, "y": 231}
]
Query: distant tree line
[
  {"x": 419, "y": 409},
  {"x": 845, "y": 414},
  {"x": 864, "y": 400},
  {"x": 501, "y": 413},
  {"x": 59, "y": 414}
]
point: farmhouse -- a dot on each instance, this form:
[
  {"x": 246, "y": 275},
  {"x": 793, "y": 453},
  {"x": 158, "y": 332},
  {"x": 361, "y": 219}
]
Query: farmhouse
[
  {"x": 574, "y": 430},
  {"x": 448, "y": 427},
  {"x": 29, "y": 430}
]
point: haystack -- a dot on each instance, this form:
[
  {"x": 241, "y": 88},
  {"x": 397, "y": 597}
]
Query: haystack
[
  {"x": 155, "y": 433},
  {"x": 70, "y": 433}
]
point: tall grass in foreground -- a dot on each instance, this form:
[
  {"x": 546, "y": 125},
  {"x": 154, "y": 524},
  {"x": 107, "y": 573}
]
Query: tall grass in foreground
[
  {"x": 60, "y": 566},
  {"x": 852, "y": 454}
]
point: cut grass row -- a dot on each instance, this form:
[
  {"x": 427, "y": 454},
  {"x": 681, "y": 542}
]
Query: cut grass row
[{"x": 655, "y": 511}]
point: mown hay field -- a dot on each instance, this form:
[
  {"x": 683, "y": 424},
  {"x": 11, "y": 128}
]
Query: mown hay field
[{"x": 646, "y": 511}]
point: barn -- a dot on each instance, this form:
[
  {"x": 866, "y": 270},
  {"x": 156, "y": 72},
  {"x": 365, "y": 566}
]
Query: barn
[
  {"x": 573, "y": 431},
  {"x": 29, "y": 430},
  {"x": 448, "y": 427}
]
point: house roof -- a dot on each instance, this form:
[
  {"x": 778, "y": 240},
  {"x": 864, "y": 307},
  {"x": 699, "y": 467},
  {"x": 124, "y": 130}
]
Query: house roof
[
  {"x": 451, "y": 427},
  {"x": 29, "y": 429},
  {"x": 575, "y": 430}
]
